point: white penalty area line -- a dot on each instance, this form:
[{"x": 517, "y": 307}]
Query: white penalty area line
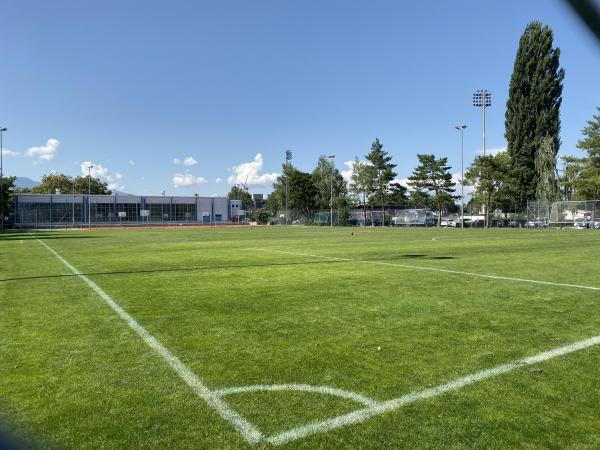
[
  {"x": 245, "y": 428},
  {"x": 431, "y": 269},
  {"x": 390, "y": 405}
]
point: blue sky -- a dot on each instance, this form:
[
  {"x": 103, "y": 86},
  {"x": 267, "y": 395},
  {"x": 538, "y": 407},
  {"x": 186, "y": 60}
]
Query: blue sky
[{"x": 134, "y": 86}]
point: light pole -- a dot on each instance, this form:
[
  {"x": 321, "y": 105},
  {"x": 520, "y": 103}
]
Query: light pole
[
  {"x": 461, "y": 128},
  {"x": 73, "y": 206},
  {"x": 331, "y": 157},
  {"x": 2, "y": 130},
  {"x": 482, "y": 99},
  {"x": 288, "y": 158},
  {"x": 90, "y": 167}
]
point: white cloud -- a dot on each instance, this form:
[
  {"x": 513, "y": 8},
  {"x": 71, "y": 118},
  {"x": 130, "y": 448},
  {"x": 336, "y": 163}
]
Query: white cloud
[
  {"x": 249, "y": 173},
  {"x": 132, "y": 162},
  {"x": 187, "y": 179},
  {"x": 187, "y": 161},
  {"x": 8, "y": 152},
  {"x": 403, "y": 182},
  {"x": 45, "y": 152},
  {"x": 468, "y": 189},
  {"x": 347, "y": 174},
  {"x": 219, "y": 180},
  {"x": 489, "y": 151},
  {"x": 104, "y": 174}
]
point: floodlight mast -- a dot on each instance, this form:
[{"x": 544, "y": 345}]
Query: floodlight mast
[
  {"x": 482, "y": 99},
  {"x": 461, "y": 128},
  {"x": 288, "y": 158},
  {"x": 2, "y": 130}
]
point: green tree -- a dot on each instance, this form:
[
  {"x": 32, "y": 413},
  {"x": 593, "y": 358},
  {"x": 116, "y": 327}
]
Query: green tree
[
  {"x": 361, "y": 182},
  {"x": 8, "y": 187},
  {"x": 302, "y": 193},
  {"x": 533, "y": 107},
  {"x": 322, "y": 175},
  {"x": 587, "y": 185},
  {"x": 238, "y": 193},
  {"x": 383, "y": 172},
  {"x": 65, "y": 184},
  {"x": 571, "y": 172},
  {"x": 488, "y": 174},
  {"x": 547, "y": 189},
  {"x": 396, "y": 195},
  {"x": 420, "y": 199},
  {"x": 433, "y": 175}
]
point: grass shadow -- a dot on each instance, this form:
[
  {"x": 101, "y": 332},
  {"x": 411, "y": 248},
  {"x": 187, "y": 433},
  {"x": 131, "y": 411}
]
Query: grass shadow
[{"x": 175, "y": 269}]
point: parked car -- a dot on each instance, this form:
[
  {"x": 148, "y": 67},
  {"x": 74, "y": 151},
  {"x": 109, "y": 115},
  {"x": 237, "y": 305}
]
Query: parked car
[
  {"x": 448, "y": 223},
  {"x": 580, "y": 223},
  {"x": 597, "y": 225}
]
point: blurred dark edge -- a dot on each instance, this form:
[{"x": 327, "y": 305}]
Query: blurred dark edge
[
  {"x": 9, "y": 443},
  {"x": 589, "y": 13}
]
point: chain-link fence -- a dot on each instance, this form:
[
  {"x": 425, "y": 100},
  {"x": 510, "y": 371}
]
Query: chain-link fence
[
  {"x": 357, "y": 217},
  {"x": 583, "y": 213}
]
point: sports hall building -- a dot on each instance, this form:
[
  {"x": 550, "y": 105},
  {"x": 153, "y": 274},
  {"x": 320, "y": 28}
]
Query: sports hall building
[{"x": 64, "y": 210}]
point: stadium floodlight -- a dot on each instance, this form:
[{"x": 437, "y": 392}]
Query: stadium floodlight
[
  {"x": 288, "y": 158},
  {"x": 461, "y": 128},
  {"x": 482, "y": 99},
  {"x": 331, "y": 158},
  {"x": 2, "y": 130},
  {"x": 90, "y": 167}
]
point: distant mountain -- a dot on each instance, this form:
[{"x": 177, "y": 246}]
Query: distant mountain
[{"x": 26, "y": 183}]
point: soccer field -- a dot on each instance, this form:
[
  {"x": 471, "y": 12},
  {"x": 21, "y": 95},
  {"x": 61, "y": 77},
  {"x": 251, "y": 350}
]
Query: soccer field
[{"x": 301, "y": 338}]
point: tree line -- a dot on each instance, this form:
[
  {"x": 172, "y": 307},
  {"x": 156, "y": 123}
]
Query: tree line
[{"x": 505, "y": 181}]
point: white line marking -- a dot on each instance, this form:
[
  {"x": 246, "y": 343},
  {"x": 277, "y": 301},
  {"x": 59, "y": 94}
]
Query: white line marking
[
  {"x": 390, "y": 405},
  {"x": 299, "y": 387},
  {"x": 433, "y": 269},
  {"x": 250, "y": 433}
]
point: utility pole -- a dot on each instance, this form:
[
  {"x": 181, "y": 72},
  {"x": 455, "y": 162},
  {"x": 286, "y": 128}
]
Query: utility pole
[
  {"x": 288, "y": 158},
  {"x": 90, "y": 167},
  {"x": 2, "y": 130},
  {"x": 73, "y": 206}
]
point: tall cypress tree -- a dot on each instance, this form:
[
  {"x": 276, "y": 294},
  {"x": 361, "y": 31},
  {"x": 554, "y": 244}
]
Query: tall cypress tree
[{"x": 533, "y": 107}]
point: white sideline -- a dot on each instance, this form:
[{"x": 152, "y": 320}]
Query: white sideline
[
  {"x": 432, "y": 269},
  {"x": 299, "y": 387},
  {"x": 250, "y": 433},
  {"x": 390, "y": 405}
]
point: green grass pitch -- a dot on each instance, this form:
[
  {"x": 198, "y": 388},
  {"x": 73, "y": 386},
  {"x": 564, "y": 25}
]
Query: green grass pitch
[{"x": 354, "y": 310}]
